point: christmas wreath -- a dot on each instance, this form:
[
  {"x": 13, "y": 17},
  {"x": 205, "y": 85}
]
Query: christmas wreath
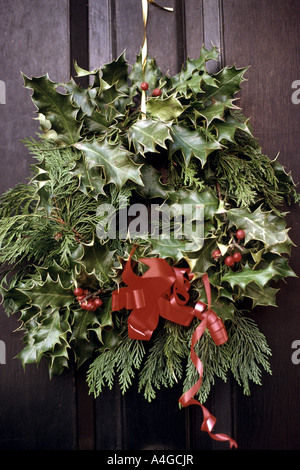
[{"x": 71, "y": 285}]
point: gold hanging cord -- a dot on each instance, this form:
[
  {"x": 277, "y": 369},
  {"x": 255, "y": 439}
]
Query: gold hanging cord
[{"x": 144, "y": 49}]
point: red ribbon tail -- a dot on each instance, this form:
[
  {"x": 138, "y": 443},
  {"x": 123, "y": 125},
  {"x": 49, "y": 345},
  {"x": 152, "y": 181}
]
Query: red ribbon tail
[{"x": 188, "y": 397}]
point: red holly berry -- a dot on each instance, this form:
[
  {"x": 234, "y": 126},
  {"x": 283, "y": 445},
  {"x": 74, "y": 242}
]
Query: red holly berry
[
  {"x": 87, "y": 305},
  {"x": 78, "y": 291},
  {"x": 237, "y": 256},
  {"x": 229, "y": 261},
  {"x": 216, "y": 254},
  {"x": 156, "y": 92},
  {"x": 144, "y": 86},
  {"x": 240, "y": 234},
  {"x": 80, "y": 298},
  {"x": 94, "y": 307},
  {"x": 98, "y": 302}
]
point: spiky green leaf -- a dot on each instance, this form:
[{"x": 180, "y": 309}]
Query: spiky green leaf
[
  {"x": 149, "y": 135},
  {"x": 191, "y": 143},
  {"x": 57, "y": 108},
  {"x": 114, "y": 159}
]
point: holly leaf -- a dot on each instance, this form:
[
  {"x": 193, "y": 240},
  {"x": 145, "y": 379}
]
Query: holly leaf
[
  {"x": 283, "y": 177},
  {"x": 90, "y": 181},
  {"x": 99, "y": 122},
  {"x": 111, "y": 101},
  {"x": 82, "y": 97},
  {"x": 191, "y": 143},
  {"x": 205, "y": 56},
  {"x": 258, "y": 225},
  {"x": 265, "y": 296},
  {"x": 57, "y": 361},
  {"x": 224, "y": 308},
  {"x": 193, "y": 72},
  {"x": 82, "y": 342},
  {"x": 206, "y": 198},
  {"x": 57, "y": 274},
  {"x": 13, "y": 299},
  {"x": 152, "y": 74},
  {"x": 190, "y": 82},
  {"x": 201, "y": 260},
  {"x": 148, "y": 135},
  {"x": 226, "y": 130},
  {"x": 152, "y": 185},
  {"x": 116, "y": 73},
  {"x": 43, "y": 338},
  {"x": 105, "y": 316},
  {"x": 248, "y": 275},
  {"x": 169, "y": 248},
  {"x": 97, "y": 260},
  {"x": 85, "y": 324},
  {"x": 82, "y": 72},
  {"x": 115, "y": 161},
  {"x": 166, "y": 109},
  {"x": 41, "y": 179},
  {"x": 280, "y": 265},
  {"x": 49, "y": 293},
  {"x": 56, "y": 107},
  {"x": 229, "y": 80},
  {"x": 215, "y": 111}
]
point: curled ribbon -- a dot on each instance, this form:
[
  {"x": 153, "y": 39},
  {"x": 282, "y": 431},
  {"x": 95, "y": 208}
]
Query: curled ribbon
[
  {"x": 144, "y": 47},
  {"x": 163, "y": 291}
]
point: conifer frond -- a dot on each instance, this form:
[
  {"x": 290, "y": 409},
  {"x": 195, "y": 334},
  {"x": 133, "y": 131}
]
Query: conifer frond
[
  {"x": 163, "y": 366},
  {"x": 249, "y": 352},
  {"x": 120, "y": 361}
]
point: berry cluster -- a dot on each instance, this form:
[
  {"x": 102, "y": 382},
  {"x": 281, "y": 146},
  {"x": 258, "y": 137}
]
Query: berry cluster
[
  {"x": 233, "y": 257},
  {"x": 87, "y": 300},
  {"x": 155, "y": 92}
]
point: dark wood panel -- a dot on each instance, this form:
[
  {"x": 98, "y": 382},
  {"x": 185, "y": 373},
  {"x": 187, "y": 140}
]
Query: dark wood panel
[
  {"x": 79, "y": 37},
  {"x": 165, "y": 32},
  {"x": 35, "y": 413},
  {"x": 31, "y": 44},
  {"x": 129, "y": 422},
  {"x": 194, "y": 30},
  {"x": 263, "y": 34}
]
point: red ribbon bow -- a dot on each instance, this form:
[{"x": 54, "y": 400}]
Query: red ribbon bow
[{"x": 163, "y": 291}]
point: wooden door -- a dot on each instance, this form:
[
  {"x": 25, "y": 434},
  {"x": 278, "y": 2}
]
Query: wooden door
[{"x": 39, "y": 36}]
